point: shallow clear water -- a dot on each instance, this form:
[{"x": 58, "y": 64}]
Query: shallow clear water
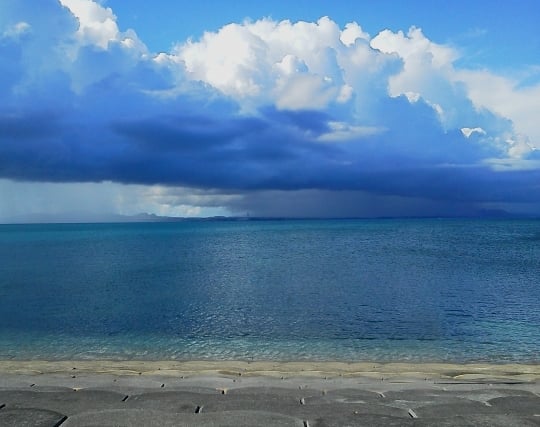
[{"x": 452, "y": 290}]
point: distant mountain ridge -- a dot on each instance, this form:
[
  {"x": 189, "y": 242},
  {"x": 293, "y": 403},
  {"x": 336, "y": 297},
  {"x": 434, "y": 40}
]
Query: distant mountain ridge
[{"x": 75, "y": 217}]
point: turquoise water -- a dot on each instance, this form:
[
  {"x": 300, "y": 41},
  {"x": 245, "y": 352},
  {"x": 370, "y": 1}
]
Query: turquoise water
[{"x": 415, "y": 290}]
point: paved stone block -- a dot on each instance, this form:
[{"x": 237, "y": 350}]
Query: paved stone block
[
  {"x": 30, "y": 417},
  {"x": 273, "y": 403},
  {"x": 349, "y": 413},
  {"x": 416, "y": 398},
  {"x": 518, "y": 405},
  {"x": 9, "y": 381},
  {"x": 171, "y": 401},
  {"x": 254, "y": 401},
  {"x": 123, "y": 418},
  {"x": 486, "y": 394},
  {"x": 291, "y": 403},
  {"x": 274, "y": 392},
  {"x": 132, "y": 390},
  {"x": 345, "y": 396},
  {"x": 68, "y": 402},
  {"x": 346, "y": 406},
  {"x": 478, "y": 421},
  {"x": 149, "y": 418},
  {"x": 360, "y": 420},
  {"x": 446, "y": 410},
  {"x": 244, "y": 419},
  {"x": 35, "y": 388}
]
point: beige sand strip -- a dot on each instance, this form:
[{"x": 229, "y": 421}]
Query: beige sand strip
[{"x": 513, "y": 371}]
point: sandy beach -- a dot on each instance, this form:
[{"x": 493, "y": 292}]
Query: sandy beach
[
  {"x": 271, "y": 369},
  {"x": 215, "y": 393}
]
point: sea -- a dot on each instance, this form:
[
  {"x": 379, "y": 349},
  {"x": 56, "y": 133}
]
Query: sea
[{"x": 408, "y": 290}]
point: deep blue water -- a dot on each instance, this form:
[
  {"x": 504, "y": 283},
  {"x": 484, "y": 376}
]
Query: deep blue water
[{"x": 437, "y": 290}]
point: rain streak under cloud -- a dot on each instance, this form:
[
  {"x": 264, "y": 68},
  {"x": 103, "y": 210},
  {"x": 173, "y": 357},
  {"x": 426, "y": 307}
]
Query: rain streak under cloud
[{"x": 274, "y": 118}]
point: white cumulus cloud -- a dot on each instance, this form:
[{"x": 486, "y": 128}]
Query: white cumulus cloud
[
  {"x": 506, "y": 97},
  {"x": 97, "y": 25},
  {"x": 292, "y": 65}
]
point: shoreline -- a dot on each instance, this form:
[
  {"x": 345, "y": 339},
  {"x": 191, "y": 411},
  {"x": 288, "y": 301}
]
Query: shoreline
[{"x": 368, "y": 370}]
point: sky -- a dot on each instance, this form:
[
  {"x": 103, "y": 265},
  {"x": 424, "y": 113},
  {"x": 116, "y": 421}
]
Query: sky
[{"x": 280, "y": 108}]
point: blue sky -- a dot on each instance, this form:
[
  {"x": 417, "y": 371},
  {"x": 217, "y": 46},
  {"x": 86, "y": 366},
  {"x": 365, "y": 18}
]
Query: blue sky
[
  {"x": 498, "y": 34},
  {"x": 283, "y": 108}
]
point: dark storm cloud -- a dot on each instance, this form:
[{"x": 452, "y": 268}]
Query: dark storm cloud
[{"x": 266, "y": 152}]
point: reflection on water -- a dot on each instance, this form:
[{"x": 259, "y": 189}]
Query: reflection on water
[{"x": 349, "y": 290}]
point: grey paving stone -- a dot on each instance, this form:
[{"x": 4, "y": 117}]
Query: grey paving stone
[
  {"x": 286, "y": 405},
  {"x": 67, "y": 403},
  {"x": 123, "y": 418},
  {"x": 34, "y": 388},
  {"x": 421, "y": 397},
  {"x": 427, "y": 402},
  {"x": 131, "y": 390},
  {"x": 456, "y": 421},
  {"x": 345, "y": 396},
  {"x": 170, "y": 401},
  {"x": 274, "y": 392},
  {"x": 130, "y": 381},
  {"x": 70, "y": 380},
  {"x": 478, "y": 421},
  {"x": 9, "y": 381},
  {"x": 108, "y": 382},
  {"x": 48, "y": 388},
  {"x": 291, "y": 402},
  {"x": 30, "y": 417},
  {"x": 149, "y": 418},
  {"x": 244, "y": 419},
  {"x": 194, "y": 383},
  {"x": 445, "y": 410},
  {"x": 486, "y": 394},
  {"x": 518, "y": 405},
  {"x": 250, "y": 401},
  {"x": 349, "y": 411},
  {"x": 360, "y": 420}
]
